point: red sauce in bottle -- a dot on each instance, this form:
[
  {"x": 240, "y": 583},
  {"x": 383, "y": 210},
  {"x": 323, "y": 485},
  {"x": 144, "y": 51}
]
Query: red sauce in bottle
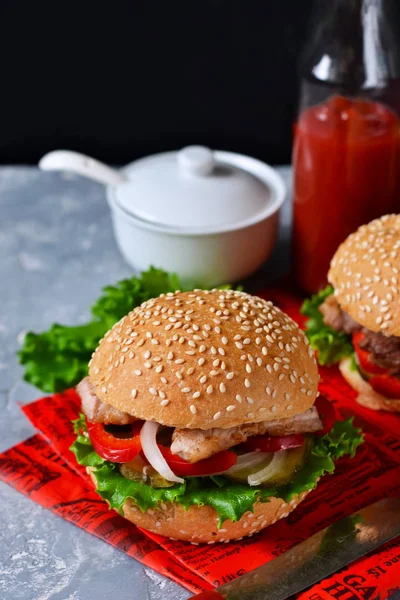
[{"x": 346, "y": 164}]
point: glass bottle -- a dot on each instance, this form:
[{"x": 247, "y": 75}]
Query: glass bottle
[{"x": 346, "y": 153}]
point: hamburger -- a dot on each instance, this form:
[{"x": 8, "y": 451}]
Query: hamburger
[
  {"x": 355, "y": 321},
  {"x": 201, "y": 419}
]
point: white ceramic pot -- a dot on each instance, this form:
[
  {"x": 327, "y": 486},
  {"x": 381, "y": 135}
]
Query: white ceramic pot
[{"x": 210, "y": 217}]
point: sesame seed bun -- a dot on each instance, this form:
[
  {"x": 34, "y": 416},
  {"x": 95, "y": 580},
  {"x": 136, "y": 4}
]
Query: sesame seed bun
[
  {"x": 199, "y": 524},
  {"x": 206, "y": 359},
  {"x": 366, "y": 395},
  {"x": 365, "y": 274}
]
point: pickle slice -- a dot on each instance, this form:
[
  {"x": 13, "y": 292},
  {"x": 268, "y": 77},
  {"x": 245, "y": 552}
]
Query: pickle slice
[
  {"x": 254, "y": 462},
  {"x": 140, "y": 471},
  {"x": 283, "y": 467}
]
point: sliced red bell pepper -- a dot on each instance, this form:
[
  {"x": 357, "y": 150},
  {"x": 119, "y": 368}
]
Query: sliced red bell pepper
[
  {"x": 364, "y": 357},
  {"x": 326, "y": 414},
  {"x": 110, "y": 447},
  {"x": 267, "y": 443},
  {"x": 222, "y": 461},
  {"x": 386, "y": 385}
]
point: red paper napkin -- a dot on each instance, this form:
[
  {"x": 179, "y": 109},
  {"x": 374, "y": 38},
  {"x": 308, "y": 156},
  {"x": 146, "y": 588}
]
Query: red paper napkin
[{"x": 43, "y": 468}]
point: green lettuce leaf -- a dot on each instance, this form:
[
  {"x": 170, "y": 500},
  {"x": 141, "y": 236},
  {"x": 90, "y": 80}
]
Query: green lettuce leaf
[
  {"x": 230, "y": 500},
  {"x": 57, "y": 359},
  {"x": 331, "y": 345}
]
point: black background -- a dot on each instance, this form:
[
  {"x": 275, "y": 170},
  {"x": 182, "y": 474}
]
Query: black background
[{"x": 122, "y": 79}]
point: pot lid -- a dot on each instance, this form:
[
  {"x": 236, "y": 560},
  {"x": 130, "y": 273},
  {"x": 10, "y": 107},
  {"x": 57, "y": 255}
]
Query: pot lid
[{"x": 199, "y": 188}]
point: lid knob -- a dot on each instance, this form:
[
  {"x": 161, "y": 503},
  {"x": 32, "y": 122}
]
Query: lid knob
[{"x": 196, "y": 160}]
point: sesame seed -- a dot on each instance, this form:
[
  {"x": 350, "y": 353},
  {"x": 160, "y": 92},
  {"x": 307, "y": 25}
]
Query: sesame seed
[
  {"x": 238, "y": 398},
  {"x": 134, "y": 393},
  {"x": 164, "y": 403},
  {"x": 230, "y": 408},
  {"x": 239, "y": 345},
  {"x": 209, "y": 389},
  {"x": 179, "y": 361},
  {"x": 201, "y": 361},
  {"x": 217, "y": 415},
  {"x": 273, "y": 409},
  {"x": 216, "y": 362},
  {"x": 248, "y": 368},
  {"x": 148, "y": 365},
  {"x": 161, "y": 394},
  {"x": 153, "y": 391},
  {"x": 247, "y": 383},
  {"x": 193, "y": 409},
  {"x": 230, "y": 375},
  {"x": 202, "y": 348},
  {"x": 137, "y": 372},
  {"x": 196, "y": 395},
  {"x": 224, "y": 340},
  {"x": 164, "y": 380},
  {"x": 246, "y": 341},
  {"x": 203, "y": 379},
  {"x": 250, "y": 400},
  {"x": 190, "y": 371},
  {"x": 222, "y": 387},
  {"x": 185, "y": 390},
  {"x": 289, "y": 407}
]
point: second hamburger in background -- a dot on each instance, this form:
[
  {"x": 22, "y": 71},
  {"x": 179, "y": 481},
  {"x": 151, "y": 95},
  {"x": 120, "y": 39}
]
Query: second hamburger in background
[{"x": 356, "y": 321}]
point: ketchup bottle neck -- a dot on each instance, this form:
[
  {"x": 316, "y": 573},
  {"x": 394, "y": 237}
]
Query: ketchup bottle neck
[{"x": 354, "y": 44}]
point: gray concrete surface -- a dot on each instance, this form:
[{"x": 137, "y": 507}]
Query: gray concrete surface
[{"x": 56, "y": 252}]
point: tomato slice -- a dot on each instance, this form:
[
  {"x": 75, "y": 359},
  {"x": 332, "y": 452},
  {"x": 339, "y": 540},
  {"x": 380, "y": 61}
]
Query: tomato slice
[
  {"x": 110, "y": 447},
  {"x": 222, "y": 461},
  {"x": 386, "y": 385},
  {"x": 267, "y": 443},
  {"x": 364, "y": 357},
  {"x": 326, "y": 414}
]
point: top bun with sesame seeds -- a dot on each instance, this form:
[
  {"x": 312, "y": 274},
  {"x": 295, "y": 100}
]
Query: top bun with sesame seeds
[
  {"x": 206, "y": 359},
  {"x": 365, "y": 272}
]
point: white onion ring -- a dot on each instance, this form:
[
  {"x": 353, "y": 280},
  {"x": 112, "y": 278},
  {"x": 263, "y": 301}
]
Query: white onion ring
[
  {"x": 148, "y": 435},
  {"x": 249, "y": 460},
  {"x": 269, "y": 471}
]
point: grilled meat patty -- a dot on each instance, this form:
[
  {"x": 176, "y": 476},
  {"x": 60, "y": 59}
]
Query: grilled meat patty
[
  {"x": 385, "y": 350},
  {"x": 196, "y": 444},
  {"x": 336, "y": 318},
  {"x": 96, "y": 410}
]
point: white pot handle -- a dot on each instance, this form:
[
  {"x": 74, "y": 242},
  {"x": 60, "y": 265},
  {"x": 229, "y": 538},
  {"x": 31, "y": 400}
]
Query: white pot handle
[{"x": 65, "y": 160}]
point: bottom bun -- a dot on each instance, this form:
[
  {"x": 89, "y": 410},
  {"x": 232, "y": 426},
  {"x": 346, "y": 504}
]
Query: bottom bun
[
  {"x": 366, "y": 395},
  {"x": 199, "y": 524}
]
